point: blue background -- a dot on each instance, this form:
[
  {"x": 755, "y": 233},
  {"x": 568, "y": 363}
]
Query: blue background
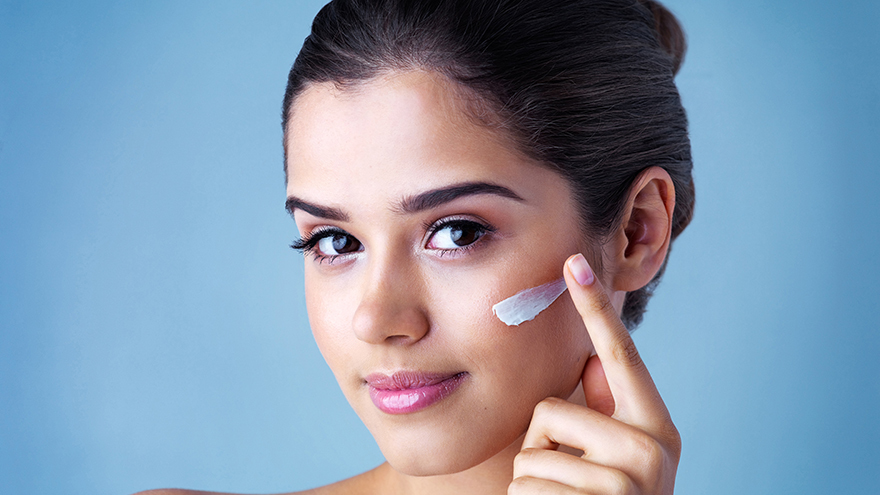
[{"x": 152, "y": 324}]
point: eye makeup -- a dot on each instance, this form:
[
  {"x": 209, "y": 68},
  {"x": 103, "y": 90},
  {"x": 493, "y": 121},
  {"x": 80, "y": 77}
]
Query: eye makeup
[
  {"x": 326, "y": 244},
  {"x": 456, "y": 235},
  {"x": 527, "y": 304},
  {"x": 447, "y": 235}
]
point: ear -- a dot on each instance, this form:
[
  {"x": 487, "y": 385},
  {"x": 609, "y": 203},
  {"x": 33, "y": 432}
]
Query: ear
[{"x": 638, "y": 247}]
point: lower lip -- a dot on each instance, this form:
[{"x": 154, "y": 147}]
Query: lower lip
[{"x": 410, "y": 400}]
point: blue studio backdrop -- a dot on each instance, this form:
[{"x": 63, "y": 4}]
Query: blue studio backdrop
[{"x": 152, "y": 323}]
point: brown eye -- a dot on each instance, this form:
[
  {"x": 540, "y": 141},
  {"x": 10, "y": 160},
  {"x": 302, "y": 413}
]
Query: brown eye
[
  {"x": 456, "y": 234},
  {"x": 338, "y": 243}
]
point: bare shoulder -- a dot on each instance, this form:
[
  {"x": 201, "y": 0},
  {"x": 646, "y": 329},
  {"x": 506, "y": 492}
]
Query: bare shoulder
[
  {"x": 368, "y": 483},
  {"x": 324, "y": 490},
  {"x": 181, "y": 491},
  {"x": 178, "y": 491}
]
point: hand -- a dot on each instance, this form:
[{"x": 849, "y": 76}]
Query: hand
[{"x": 629, "y": 442}]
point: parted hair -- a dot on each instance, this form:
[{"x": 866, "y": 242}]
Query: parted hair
[{"x": 585, "y": 87}]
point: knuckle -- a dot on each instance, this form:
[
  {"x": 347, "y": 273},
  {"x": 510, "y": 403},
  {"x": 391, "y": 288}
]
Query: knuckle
[
  {"x": 626, "y": 353},
  {"x": 601, "y": 304},
  {"x": 672, "y": 438},
  {"x": 649, "y": 451},
  {"x": 518, "y": 486},
  {"x": 620, "y": 484},
  {"x": 523, "y": 458},
  {"x": 547, "y": 407}
]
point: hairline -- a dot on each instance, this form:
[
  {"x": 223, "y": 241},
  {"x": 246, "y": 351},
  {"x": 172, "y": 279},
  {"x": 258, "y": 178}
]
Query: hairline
[{"x": 473, "y": 105}]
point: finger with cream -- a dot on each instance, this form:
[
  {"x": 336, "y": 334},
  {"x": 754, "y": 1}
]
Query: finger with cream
[{"x": 525, "y": 305}]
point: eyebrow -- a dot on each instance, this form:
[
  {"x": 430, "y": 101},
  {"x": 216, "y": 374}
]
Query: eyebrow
[
  {"x": 411, "y": 204},
  {"x": 294, "y": 203},
  {"x": 436, "y": 197}
]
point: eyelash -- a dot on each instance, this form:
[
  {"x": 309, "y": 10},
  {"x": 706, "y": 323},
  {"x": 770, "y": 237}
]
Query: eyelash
[
  {"x": 482, "y": 228},
  {"x": 307, "y": 244}
]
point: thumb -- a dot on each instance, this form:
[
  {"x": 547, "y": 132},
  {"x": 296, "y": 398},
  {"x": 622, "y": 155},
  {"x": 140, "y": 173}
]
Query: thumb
[{"x": 596, "y": 388}]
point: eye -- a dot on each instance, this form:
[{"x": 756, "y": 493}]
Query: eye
[
  {"x": 326, "y": 244},
  {"x": 336, "y": 243},
  {"x": 456, "y": 234}
]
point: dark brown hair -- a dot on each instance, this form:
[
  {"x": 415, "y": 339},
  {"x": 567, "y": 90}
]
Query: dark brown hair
[{"x": 583, "y": 86}]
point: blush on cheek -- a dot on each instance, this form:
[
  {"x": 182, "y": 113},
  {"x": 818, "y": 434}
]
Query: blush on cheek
[{"x": 525, "y": 305}]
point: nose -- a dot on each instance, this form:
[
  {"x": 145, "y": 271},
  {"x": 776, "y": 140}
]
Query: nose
[{"x": 391, "y": 310}]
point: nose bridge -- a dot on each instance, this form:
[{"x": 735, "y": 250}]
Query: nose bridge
[{"x": 391, "y": 308}]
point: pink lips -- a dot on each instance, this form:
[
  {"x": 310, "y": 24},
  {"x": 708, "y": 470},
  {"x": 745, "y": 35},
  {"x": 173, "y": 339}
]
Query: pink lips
[{"x": 410, "y": 391}]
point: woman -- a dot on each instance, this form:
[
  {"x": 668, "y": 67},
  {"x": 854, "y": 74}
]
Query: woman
[{"x": 442, "y": 156}]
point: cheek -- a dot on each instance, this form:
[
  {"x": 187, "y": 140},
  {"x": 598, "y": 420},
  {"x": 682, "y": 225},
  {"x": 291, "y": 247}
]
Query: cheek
[
  {"x": 462, "y": 315},
  {"x": 538, "y": 358},
  {"x": 330, "y": 314}
]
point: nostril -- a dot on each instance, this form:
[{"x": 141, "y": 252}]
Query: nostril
[
  {"x": 390, "y": 322},
  {"x": 398, "y": 339}
]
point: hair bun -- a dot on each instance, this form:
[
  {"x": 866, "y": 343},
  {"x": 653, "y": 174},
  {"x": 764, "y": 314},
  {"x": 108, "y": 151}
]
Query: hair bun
[{"x": 669, "y": 32}]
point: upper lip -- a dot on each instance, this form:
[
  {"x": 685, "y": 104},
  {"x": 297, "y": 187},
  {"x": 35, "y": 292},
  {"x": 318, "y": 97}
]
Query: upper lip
[{"x": 406, "y": 380}]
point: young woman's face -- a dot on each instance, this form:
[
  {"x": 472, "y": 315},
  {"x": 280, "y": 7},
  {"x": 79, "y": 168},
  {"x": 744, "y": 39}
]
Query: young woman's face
[{"x": 417, "y": 221}]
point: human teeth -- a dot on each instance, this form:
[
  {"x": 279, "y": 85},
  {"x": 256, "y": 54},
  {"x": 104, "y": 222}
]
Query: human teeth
[{"x": 525, "y": 305}]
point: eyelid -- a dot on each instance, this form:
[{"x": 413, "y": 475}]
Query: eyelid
[
  {"x": 433, "y": 227},
  {"x": 438, "y": 225},
  {"x": 308, "y": 242}
]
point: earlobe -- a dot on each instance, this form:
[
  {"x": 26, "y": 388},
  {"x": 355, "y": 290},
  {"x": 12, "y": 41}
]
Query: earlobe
[{"x": 642, "y": 240}]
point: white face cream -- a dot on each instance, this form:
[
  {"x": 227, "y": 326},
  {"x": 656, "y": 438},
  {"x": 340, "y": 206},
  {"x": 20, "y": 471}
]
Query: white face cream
[{"x": 525, "y": 305}]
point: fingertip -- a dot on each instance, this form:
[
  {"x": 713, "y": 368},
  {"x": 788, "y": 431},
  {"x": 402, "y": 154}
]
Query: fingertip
[{"x": 580, "y": 270}]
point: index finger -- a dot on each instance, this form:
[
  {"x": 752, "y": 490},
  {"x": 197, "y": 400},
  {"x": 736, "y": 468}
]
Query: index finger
[{"x": 636, "y": 398}]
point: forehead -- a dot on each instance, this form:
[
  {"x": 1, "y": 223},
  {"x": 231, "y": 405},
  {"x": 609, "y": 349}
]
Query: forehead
[{"x": 397, "y": 133}]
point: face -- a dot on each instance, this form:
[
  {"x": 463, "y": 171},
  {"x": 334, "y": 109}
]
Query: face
[{"x": 415, "y": 221}]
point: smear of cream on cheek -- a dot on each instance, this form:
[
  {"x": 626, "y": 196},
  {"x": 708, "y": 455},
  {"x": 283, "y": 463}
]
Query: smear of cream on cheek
[{"x": 525, "y": 305}]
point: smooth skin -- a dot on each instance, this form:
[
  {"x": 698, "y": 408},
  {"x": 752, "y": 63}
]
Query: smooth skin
[
  {"x": 585, "y": 415},
  {"x": 629, "y": 442},
  {"x": 399, "y": 301}
]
